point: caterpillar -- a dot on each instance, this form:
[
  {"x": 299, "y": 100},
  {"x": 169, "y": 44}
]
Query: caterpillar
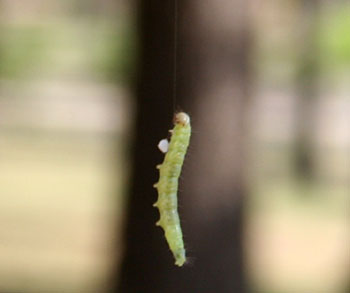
[{"x": 167, "y": 186}]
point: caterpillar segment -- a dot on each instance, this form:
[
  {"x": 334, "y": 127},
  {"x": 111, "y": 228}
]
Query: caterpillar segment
[{"x": 167, "y": 186}]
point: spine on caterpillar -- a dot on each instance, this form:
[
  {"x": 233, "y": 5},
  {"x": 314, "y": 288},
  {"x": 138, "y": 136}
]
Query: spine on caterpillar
[{"x": 167, "y": 186}]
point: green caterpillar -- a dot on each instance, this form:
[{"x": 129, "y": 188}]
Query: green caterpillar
[{"x": 167, "y": 185}]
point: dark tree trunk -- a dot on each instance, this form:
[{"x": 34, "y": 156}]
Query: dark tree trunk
[{"x": 214, "y": 46}]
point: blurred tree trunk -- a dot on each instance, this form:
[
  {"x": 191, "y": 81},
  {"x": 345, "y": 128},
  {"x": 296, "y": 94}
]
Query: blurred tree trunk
[
  {"x": 214, "y": 81},
  {"x": 307, "y": 81}
]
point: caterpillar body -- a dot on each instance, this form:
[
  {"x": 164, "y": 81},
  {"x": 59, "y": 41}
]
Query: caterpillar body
[{"x": 167, "y": 186}]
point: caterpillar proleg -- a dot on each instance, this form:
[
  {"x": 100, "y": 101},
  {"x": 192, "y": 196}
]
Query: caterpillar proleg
[{"x": 167, "y": 186}]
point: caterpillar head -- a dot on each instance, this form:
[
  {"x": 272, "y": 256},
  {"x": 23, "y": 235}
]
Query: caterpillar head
[{"x": 182, "y": 118}]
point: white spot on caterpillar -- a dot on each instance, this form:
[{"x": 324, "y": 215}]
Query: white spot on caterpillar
[{"x": 163, "y": 145}]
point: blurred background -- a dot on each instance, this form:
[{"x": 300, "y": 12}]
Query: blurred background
[{"x": 85, "y": 96}]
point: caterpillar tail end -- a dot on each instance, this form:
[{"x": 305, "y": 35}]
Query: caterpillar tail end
[
  {"x": 180, "y": 257},
  {"x": 180, "y": 263}
]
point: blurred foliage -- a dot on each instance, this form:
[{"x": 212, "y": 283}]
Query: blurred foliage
[
  {"x": 334, "y": 36},
  {"x": 22, "y": 49},
  {"x": 116, "y": 58},
  {"x": 39, "y": 50}
]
